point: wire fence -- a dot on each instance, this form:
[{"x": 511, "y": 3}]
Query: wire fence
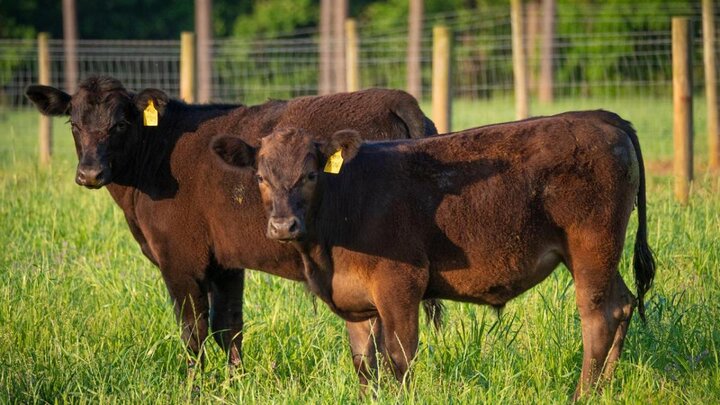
[{"x": 597, "y": 61}]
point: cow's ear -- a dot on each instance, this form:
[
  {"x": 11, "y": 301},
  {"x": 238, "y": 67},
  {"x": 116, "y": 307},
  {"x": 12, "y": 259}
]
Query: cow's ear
[
  {"x": 49, "y": 100},
  {"x": 346, "y": 140},
  {"x": 158, "y": 97},
  {"x": 233, "y": 151}
]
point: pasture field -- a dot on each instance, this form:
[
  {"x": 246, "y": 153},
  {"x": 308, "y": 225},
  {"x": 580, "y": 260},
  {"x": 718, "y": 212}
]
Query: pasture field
[{"x": 86, "y": 318}]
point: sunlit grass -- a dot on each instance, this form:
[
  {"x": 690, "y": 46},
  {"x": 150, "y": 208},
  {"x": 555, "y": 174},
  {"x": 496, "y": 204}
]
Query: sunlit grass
[{"x": 85, "y": 317}]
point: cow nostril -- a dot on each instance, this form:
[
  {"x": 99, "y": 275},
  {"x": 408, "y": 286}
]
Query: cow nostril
[
  {"x": 293, "y": 226},
  {"x": 273, "y": 228},
  {"x": 82, "y": 176},
  {"x": 92, "y": 176}
]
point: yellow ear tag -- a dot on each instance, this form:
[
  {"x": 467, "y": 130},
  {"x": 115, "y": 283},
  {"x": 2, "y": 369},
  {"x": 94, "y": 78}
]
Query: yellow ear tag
[
  {"x": 334, "y": 162},
  {"x": 150, "y": 115}
]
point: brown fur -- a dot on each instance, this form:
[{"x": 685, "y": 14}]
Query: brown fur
[
  {"x": 479, "y": 216},
  {"x": 176, "y": 194}
]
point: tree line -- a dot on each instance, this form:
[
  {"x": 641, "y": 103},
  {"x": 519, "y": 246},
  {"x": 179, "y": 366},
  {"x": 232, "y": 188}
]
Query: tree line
[{"x": 161, "y": 19}]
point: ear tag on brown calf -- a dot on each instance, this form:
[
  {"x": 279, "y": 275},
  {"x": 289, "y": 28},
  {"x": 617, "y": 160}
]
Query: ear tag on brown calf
[
  {"x": 150, "y": 115},
  {"x": 334, "y": 162}
]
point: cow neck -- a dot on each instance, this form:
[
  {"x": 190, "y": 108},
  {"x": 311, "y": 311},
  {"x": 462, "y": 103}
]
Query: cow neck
[
  {"x": 344, "y": 200},
  {"x": 147, "y": 166},
  {"x": 336, "y": 217},
  {"x": 318, "y": 270}
]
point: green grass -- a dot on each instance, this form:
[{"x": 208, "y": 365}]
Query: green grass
[{"x": 86, "y": 318}]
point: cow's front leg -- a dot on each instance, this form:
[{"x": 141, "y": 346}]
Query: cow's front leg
[
  {"x": 400, "y": 337},
  {"x": 397, "y": 295},
  {"x": 190, "y": 299},
  {"x": 226, "y": 312},
  {"x": 365, "y": 337}
]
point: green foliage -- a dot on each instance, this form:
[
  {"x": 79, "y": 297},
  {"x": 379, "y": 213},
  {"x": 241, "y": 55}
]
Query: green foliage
[
  {"x": 116, "y": 19},
  {"x": 134, "y": 19},
  {"x": 604, "y": 46},
  {"x": 9, "y": 28},
  {"x": 225, "y": 13},
  {"x": 614, "y": 46},
  {"x": 389, "y": 15},
  {"x": 158, "y": 19},
  {"x": 269, "y": 17},
  {"x": 23, "y": 19}
]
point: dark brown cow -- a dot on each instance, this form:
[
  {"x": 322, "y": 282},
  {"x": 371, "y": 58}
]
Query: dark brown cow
[
  {"x": 478, "y": 216},
  {"x": 175, "y": 195}
]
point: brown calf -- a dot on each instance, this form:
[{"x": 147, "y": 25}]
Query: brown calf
[
  {"x": 478, "y": 216},
  {"x": 175, "y": 194}
]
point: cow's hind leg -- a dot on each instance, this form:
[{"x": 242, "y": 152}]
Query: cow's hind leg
[
  {"x": 605, "y": 307},
  {"x": 226, "y": 311},
  {"x": 364, "y": 338},
  {"x": 623, "y": 313}
]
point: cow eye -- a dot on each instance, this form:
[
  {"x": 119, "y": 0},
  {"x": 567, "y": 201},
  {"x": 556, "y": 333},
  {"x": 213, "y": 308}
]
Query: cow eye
[
  {"x": 259, "y": 178},
  {"x": 120, "y": 127},
  {"x": 312, "y": 176}
]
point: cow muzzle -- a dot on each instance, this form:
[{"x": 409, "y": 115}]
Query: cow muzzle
[
  {"x": 285, "y": 229},
  {"x": 92, "y": 176}
]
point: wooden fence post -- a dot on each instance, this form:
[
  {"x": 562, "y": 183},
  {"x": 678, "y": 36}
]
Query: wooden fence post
[
  {"x": 45, "y": 128},
  {"x": 325, "y": 76},
  {"x": 414, "y": 49},
  {"x": 522, "y": 108},
  {"x": 203, "y": 31},
  {"x": 711, "y": 96},
  {"x": 70, "y": 34},
  {"x": 187, "y": 66},
  {"x": 352, "y": 59},
  {"x": 441, "y": 102},
  {"x": 532, "y": 24},
  {"x": 682, "y": 107},
  {"x": 545, "y": 85},
  {"x": 340, "y": 13}
]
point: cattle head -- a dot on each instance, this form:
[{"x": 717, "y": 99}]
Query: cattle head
[
  {"x": 105, "y": 119},
  {"x": 289, "y": 174}
]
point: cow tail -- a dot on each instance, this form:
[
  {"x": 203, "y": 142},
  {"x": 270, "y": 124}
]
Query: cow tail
[
  {"x": 643, "y": 261},
  {"x": 434, "y": 311}
]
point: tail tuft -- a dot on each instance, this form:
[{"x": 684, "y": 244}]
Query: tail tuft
[
  {"x": 434, "y": 311},
  {"x": 644, "y": 265}
]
